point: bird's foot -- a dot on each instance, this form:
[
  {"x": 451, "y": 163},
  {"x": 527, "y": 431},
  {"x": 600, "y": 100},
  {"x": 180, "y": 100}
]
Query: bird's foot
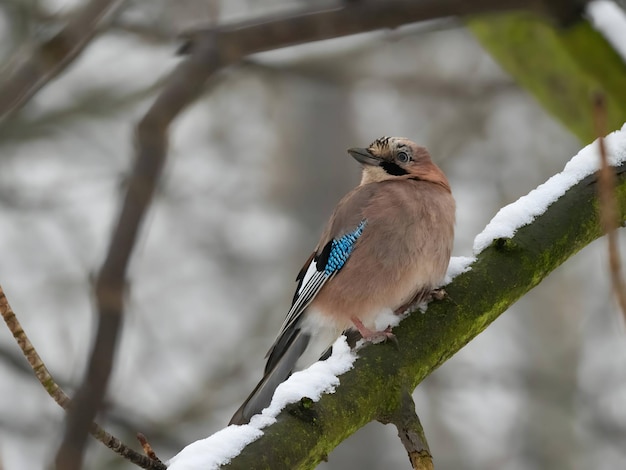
[
  {"x": 372, "y": 336},
  {"x": 421, "y": 300},
  {"x": 438, "y": 294}
]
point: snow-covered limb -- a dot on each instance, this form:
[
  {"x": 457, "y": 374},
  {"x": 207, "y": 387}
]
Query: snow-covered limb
[
  {"x": 527, "y": 208},
  {"x": 218, "y": 449},
  {"x": 547, "y": 226}
]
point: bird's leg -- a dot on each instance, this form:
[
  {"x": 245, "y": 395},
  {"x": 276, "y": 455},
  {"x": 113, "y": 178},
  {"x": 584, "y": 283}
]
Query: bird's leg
[{"x": 373, "y": 336}]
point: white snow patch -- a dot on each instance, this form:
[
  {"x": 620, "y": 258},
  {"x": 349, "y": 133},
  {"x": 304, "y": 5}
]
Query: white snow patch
[
  {"x": 215, "y": 450},
  {"x": 527, "y": 208},
  {"x": 610, "y": 20},
  {"x": 224, "y": 445},
  {"x": 313, "y": 382},
  {"x": 458, "y": 265},
  {"x": 387, "y": 318}
]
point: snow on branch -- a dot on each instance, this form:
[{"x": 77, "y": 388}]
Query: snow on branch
[
  {"x": 218, "y": 449},
  {"x": 527, "y": 208}
]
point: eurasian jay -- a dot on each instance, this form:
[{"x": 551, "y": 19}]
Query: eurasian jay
[{"x": 386, "y": 246}]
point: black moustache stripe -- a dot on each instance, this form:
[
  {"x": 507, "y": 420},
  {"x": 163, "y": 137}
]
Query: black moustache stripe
[{"x": 393, "y": 169}]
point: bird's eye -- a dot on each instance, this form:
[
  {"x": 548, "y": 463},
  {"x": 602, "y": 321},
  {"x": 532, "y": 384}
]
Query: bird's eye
[{"x": 402, "y": 157}]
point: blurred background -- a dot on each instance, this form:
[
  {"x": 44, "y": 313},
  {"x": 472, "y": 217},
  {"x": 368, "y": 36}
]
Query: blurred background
[{"x": 255, "y": 168}]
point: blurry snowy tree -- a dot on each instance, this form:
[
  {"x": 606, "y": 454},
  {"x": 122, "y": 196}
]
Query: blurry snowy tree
[{"x": 255, "y": 166}]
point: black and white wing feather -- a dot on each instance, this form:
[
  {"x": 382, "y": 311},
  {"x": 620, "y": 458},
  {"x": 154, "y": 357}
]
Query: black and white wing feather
[{"x": 319, "y": 269}]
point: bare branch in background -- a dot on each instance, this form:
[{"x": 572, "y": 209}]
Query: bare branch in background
[
  {"x": 183, "y": 86},
  {"x": 59, "y": 396},
  {"x": 339, "y": 19},
  {"x": 52, "y": 56},
  {"x": 609, "y": 216}
]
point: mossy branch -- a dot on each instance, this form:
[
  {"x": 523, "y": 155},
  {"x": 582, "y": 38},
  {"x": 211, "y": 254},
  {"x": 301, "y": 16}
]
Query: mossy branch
[
  {"x": 306, "y": 433},
  {"x": 560, "y": 66}
]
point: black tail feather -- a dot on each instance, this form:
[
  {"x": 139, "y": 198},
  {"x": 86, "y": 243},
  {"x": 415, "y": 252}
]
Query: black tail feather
[{"x": 278, "y": 369}]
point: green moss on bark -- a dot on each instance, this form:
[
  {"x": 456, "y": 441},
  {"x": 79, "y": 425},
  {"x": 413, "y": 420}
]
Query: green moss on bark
[{"x": 560, "y": 67}]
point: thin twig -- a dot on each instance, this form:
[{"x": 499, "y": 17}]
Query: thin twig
[
  {"x": 59, "y": 396},
  {"x": 608, "y": 204},
  {"x": 53, "y": 56},
  {"x": 147, "y": 448}
]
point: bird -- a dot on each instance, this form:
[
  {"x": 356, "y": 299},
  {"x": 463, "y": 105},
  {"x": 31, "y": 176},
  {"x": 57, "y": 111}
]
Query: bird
[{"x": 386, "y": 247}]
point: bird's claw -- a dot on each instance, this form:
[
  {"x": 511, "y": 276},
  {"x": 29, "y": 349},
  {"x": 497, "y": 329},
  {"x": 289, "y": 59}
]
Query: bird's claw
[{"x": 438, "y": 294}]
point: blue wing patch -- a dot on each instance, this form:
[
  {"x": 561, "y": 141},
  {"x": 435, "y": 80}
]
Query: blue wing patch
[
  {"x": 341, "y": 249},
  {"x": 320, "y": 267}
]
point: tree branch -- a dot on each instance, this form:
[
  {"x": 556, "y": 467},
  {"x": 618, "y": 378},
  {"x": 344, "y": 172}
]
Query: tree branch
[
  {"x": 374, "y": 388},
  {"x": 52, "y": 56},
  {"x": 57, "y": 393},
  {"x": 340, "y": 19},
  {"x": 574, "y": 63}
]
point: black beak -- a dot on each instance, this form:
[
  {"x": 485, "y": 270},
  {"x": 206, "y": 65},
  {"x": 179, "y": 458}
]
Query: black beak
[{"x": 364, "y": 157}]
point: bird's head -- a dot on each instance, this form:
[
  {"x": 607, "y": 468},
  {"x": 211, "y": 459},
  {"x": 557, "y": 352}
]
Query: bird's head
[{"x": 391, "y": 158}]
